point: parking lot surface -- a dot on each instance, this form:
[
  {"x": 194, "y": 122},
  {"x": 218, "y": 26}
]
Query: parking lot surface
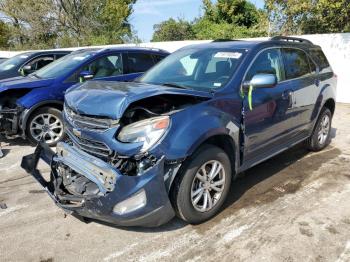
[{"x": 293, "y": 207}]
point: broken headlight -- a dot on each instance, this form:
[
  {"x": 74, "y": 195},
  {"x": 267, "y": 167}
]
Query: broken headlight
[{"x": 148, "y": 131}]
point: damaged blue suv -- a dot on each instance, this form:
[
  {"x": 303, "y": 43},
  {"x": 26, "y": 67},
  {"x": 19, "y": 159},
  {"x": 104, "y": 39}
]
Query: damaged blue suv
[{"x": 170, "y": 144}]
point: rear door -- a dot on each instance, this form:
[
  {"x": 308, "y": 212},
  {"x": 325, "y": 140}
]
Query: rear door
[
  {"x": 302, "y": 76},
  {"x": 267, "y": 125}
]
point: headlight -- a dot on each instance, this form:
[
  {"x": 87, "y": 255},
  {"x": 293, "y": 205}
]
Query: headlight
[{"x": 148, "y": 131}]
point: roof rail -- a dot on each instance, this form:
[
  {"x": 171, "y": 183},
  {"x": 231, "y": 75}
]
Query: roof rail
[
  {"x": 291, "y": 39},
  {"x": 225, "y": 40}
]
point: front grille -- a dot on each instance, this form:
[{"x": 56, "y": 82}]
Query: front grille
[
  {"x": 88, "y": 122},
  {"x": 90, "y": 146}
]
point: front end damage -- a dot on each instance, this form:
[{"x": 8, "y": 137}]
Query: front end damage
[
  {"x": 114, "y": 166},
  {"x": 86, "y": 186},
  {"x": 11, "y": 113}
]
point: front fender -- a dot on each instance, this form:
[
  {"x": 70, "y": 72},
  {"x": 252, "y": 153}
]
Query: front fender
[
  {"x": 193, "y": 126},
  {"x": 39, "y": 95}
]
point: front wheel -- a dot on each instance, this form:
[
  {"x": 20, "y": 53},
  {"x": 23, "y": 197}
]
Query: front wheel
[
  {"x": 321, "y": 136},
  {"x": 202, "y": 186},
  {"x": 46, "y": 125}
]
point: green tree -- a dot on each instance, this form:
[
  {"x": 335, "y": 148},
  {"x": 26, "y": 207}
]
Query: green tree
[
  {"x": 173, "y": 30},
  {"x": 223, "y": 19},
  {"x": 62, "y": 23},
  {"x": 227, "y": 19},
  {"x": 4, "y": 35},
  {"x": 308, "y": 16}
]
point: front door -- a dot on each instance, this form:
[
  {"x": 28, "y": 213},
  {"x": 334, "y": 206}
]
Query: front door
[{"x": 267, "y": 125}]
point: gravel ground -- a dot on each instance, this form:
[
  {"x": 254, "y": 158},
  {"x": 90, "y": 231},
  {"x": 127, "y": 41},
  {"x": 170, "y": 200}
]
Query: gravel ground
[{"x": 294, "y": 207}]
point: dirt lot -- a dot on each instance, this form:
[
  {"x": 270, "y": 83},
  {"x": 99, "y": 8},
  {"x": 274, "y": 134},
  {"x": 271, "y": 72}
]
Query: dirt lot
[{"x": 294, "y": 207}]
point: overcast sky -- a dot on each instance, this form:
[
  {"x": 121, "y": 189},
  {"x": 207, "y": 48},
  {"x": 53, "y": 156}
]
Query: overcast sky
[{"x": 150, "y": 12}]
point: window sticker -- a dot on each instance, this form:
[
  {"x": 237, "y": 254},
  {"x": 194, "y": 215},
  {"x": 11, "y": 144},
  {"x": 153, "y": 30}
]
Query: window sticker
[
  {"x": 217, "y": 84},
  {"x": 232, "y": 55},
  {"x": 23, "y": 56}
]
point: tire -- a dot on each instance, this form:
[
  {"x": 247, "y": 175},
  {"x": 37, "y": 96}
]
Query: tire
[
  {"x": 321, "y": 135},
  {"x": 187, "y": 184},
  {"x": 46, "y": 123}
]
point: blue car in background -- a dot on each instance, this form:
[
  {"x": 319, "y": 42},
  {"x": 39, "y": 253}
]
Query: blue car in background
[
  {"x": 30, "y": 107},
  {"x": 28, "y": 62}
]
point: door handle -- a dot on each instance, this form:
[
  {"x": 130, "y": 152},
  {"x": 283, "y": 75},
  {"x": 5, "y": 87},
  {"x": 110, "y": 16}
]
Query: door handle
[{"x": 288, "y": 95}]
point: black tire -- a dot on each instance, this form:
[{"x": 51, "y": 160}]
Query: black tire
[
  {"x": 181, "y": 192},
  {"x": 314, "y": 143},
  {"x": 35, "y": 116}
]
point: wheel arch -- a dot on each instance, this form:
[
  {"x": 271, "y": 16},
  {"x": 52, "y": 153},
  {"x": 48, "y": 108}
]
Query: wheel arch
[
  {"x": 330, "y": 104},
  {"x": 27, "y": 113}
]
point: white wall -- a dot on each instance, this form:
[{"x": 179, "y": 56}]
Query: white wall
[{"x": 335, "y": 46}]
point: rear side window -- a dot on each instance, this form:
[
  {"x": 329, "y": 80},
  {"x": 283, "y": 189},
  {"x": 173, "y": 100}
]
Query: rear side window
[
  {"x": 139, "y": 62},
  {"x": 320, "y": 58},
  {"x": 267, "y": 62},
  {"x": 296, "y": 63},
  {"x": 158, "y": 58}
]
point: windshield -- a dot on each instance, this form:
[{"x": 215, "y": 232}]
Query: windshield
[
  {"x": 14, "y": 62},
  {"x": 200, "y": 69},
  {"x": 64, "y": 65}
]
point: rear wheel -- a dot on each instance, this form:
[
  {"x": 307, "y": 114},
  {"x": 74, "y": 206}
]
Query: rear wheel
[
  {"x": 321, "y": 136},
  {"x": 202, "y": 186},
  {"x": 46, "y": 125}
]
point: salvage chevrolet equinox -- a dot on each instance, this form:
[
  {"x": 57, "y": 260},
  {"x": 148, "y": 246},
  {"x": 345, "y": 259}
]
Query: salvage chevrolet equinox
[{"x": 171, "y": 143}]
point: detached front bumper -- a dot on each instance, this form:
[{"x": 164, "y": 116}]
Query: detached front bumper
[{"x": 156, "y": 211}]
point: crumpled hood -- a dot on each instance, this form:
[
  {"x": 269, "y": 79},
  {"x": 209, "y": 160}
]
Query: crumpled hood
[
  {"x": 23, "y": 82},
  {"x": 111, "y": 99}
]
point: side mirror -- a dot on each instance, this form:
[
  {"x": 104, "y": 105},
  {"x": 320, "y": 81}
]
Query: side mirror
[
  {"x": 261, "y": 81},
  {"x": 26, "y": 70},
  {"x": 85, "y": 76}
]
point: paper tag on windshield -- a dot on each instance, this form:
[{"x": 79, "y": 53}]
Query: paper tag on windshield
[
  {"x": 23, "y": 56},
  {"x": 232, "y": 55}
]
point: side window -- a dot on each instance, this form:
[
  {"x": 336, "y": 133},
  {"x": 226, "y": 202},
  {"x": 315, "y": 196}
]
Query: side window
[
  {"x": 320, "y": 58},
  {"x": 296, "y": 63},
  {"x": 58, "y": 56},
  {"x": 105, "y": 66},
  {"x": 268, "y": 62},
  {"x": 158, "y": 58},
  {"x": 139, "y": 62},
  {"x": 40, "y": 62}
]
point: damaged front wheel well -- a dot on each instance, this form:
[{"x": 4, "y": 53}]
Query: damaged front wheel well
[{"x": 224, "y": 142}]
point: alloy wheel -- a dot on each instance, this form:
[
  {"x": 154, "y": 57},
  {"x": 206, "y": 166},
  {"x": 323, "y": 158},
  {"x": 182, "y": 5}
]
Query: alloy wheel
[
  {"x": 324, "y": 129},
  {"x": 46, "y": 127},
  {"x": 208, "y": 186}
]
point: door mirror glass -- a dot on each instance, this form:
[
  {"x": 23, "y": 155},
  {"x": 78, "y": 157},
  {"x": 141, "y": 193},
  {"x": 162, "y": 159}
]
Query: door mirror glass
[
  {"x": 27, "y": 69},
  {"x": 85, "y": 76},
  {"x": 262, "y": 81}
]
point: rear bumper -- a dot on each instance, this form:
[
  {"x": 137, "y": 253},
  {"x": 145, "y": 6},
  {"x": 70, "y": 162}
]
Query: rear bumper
[{"x": 157, "y": 210}]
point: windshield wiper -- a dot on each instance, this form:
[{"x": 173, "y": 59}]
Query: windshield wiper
[{"x": 174, "y": 85}]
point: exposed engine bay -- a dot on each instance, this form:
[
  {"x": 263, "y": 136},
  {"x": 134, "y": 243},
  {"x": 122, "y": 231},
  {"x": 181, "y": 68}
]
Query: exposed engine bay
[{"x": 156, "y": 106}]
